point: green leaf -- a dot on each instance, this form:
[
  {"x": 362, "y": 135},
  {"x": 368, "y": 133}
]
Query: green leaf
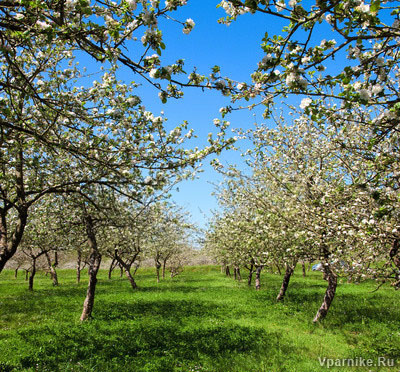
[{"x": 375, "y": 6}]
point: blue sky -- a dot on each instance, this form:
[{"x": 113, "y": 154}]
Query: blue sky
[{"x": 237, "y": 50}]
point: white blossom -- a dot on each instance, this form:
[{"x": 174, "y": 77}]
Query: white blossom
[
  {"x": 42, "y": 25},
  {"x": 376, "y": 89},
  {"x": 280, "y": 5},
  {"x": 153, "y": 73},
  {"x": 305, "y": 102},
  {"x": 364, "y": 94},
  {"x": 189, "y": 24},
  {"x": 363, "y": 8},
  {"x": 131, "y": 4}
]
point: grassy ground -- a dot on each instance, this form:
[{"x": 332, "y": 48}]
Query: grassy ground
[{"x": 199, "y": 321}]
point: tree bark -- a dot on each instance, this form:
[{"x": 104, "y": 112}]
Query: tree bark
[
  {"x": 158, "y": 266},
  {"x": 131, "y": 279},
  {"x": 251, "y": 270},
  {"x": 9, "y": 247},
  {"x": 78, "y": 266},
  {"x": 279, "y": 269},
  {"x": 52, "y": 269},
  {"x": 136, "y": 269},
  {"x": 94, "y": 265},
  {"x": 329, "y": 294},
  {"x": 258, "y": 273},
  {"x": 285, "y": 282},
  {"x": 32, "y": 276},
  {"x": 16, "y": 271},
  {"x": 237, "y": 273},
  {"x": 227, "y": 271},
  {"x": 394, "y": 256},
  {"x": 127, "y": 268},
  {"x": 250, "y": 277},
  {"x": 111, "y": 268},
  {"x": 303, "y": 266},
  {"x": 163, "y": 268}
]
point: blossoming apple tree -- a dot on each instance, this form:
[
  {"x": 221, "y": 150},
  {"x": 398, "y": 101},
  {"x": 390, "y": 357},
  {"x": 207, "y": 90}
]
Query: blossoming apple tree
[{"x": 60, "y": 131}]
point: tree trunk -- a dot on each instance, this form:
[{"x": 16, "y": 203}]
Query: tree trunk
[
  {"x": 131, "y": 279},
  {"x": 127, "y": 268},
  {"x": 52, "y": 269},
  {"x": 227, "y": 271},
  {"x": 250, "y": 277},
  {"x": 9, "y": 247},
  {"x": 111, "y": 268},
  {"x": 54, "y": 275},
  {"x": 158, "y": 266},
  {"x": 26, "y": 274},
  {"x": 163, "y": 268},
  {"x": 78, "y": 267},
  {"x": 303, "y": 266},
  {"x": 236, "y": 273},
  {"x": 285, "y": 282},
  {"x": 279, "y": 269},
  {"x": 329, "y": 294},
  {"x": 251, "y": 270},
  {"x": 136, "y": 269},
  {"x": 32, "y": 276},
  {"x": 258, "y": 273},
  {"x": 394, "y": 256},
  {"x": 16, "y": 271},
  {"x": 94, "y": 265}
]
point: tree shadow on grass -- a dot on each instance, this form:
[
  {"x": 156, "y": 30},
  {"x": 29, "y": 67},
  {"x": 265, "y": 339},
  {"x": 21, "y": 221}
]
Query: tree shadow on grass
[
  {"x": 346, "y": 308},
  {"x": 175, "y": 310},
  {"x": 145, "y": 344}
]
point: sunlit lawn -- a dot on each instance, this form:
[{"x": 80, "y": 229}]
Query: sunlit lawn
[{"x": 199, "y": 321}]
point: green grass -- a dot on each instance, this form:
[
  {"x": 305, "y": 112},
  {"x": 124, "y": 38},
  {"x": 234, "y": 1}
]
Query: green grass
[{"x": 199, "y": 321}]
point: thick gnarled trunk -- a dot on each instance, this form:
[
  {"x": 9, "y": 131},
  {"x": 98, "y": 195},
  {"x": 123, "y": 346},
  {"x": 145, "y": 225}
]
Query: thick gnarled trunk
[
  {"x": 8, "y": 247},
  {"x": 285, "y": 283},
  {"x": 329, "y": 293}
]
